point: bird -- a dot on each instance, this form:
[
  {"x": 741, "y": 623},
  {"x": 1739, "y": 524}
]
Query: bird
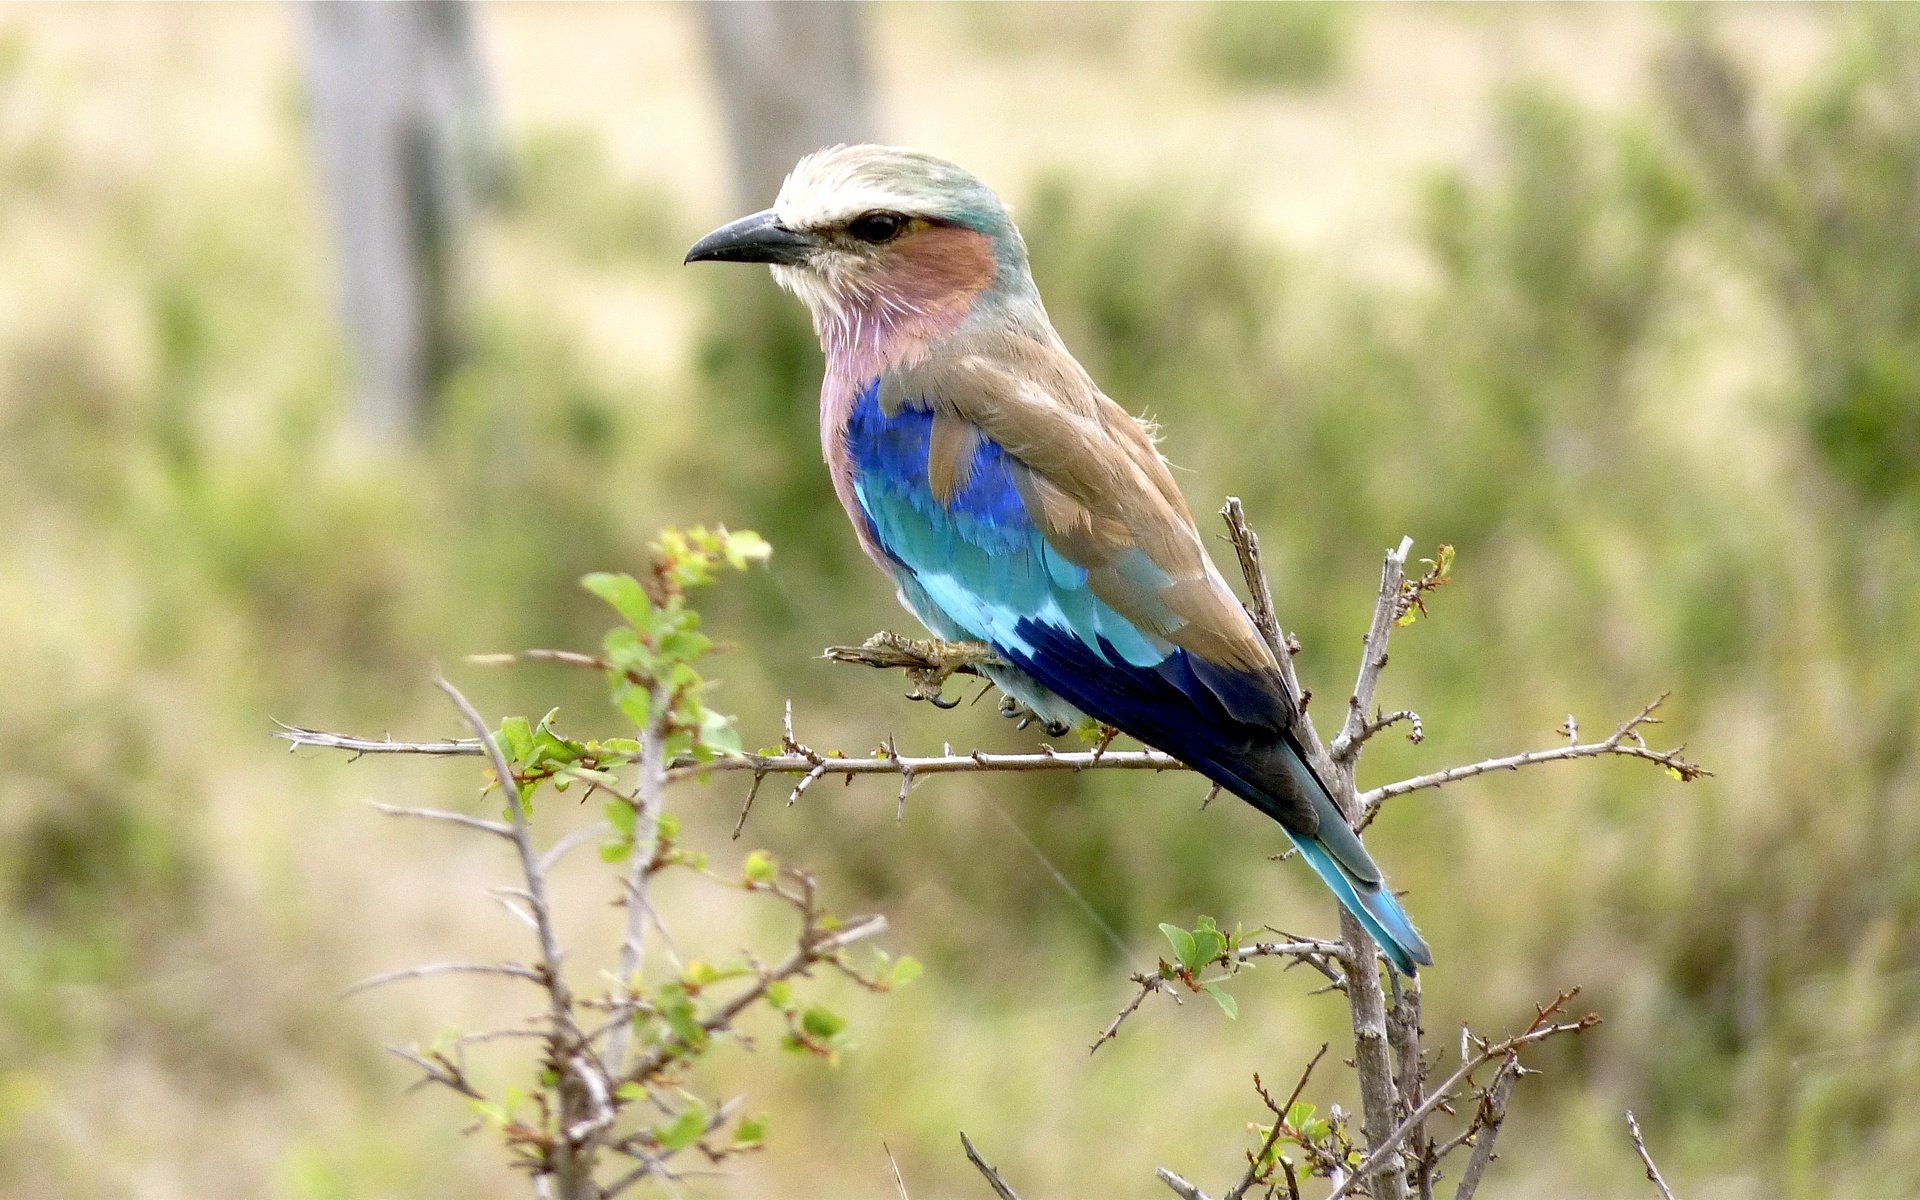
[{"x": 1013, "y": 503}]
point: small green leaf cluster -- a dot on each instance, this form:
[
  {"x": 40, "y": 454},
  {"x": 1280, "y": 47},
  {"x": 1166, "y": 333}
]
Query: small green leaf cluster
[
  {"x": 536, "y": 753},
  {"x": 1322, "y": 1140},
  {"x": 650, "y": 659},
  {"x": 663, "y": 1024},
  {"x": 1196, "y": 949}
]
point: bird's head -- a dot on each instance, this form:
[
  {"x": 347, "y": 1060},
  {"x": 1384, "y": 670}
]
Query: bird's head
[{"x": 881, "y": 243}]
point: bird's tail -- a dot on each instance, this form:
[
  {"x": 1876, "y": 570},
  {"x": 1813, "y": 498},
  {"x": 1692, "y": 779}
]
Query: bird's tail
[
  {"x": 1335, "y": 853},
  {"x": 1373, "y": 904}
]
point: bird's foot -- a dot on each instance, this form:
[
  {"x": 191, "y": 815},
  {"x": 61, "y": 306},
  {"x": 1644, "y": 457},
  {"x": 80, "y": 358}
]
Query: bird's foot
[
  {"x": 1023, "y": 716},
  {"x": 928, "y": 662}
]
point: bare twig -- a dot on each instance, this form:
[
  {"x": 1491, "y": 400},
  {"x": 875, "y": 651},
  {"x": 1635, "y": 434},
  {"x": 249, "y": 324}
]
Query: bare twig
[
  {"x": 1487, "y": 1121},
  {"x": 1409, "y": 1077},
  {"x": 440, "y": 1069},
  {"x": 1180, "y": 1186},
  {"x": 899, "y": 1182},
  {"x": 496, "y": 828},
  {"x": 1646, "y": 1159},
  {"x": 1346, "y": 747},
  {"x": 1416, "y": 729},
  {"x": 992, "y": 1176},
  {"x": 1246, "y": 548},
  {"x": 1254, "y": 1173},
  {"x": 1149, "y": 984},
  {"x": 510, "y": 970},
  {"x": 1366, "y": 1001},
  {"x": 1625, "y": 741}
]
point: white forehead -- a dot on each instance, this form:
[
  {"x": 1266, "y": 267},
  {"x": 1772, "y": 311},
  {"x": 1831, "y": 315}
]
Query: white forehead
[{"x": 832, "y": 186}]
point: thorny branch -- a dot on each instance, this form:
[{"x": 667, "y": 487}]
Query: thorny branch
[
  {"x": 589, "y": 1078},
  {"x": 1626, "y": 741},
  {"x": 1314, "y": 952},
  {"x": 1542, "y": 1028},
  {"x": 1387, "y": 1057},
  {"x": 803, "y": 761}
]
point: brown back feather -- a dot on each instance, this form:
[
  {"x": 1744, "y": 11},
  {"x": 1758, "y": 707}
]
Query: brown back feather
[{"x": 1097, "y": 486}]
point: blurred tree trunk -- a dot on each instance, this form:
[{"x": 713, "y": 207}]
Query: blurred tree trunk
[
  {"x": 404, "y": 129},
  {"x": 793, "y": 77}
]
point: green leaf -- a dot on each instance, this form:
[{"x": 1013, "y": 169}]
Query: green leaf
[
  {"x": 718, "y": 735},
  {"x": 516, "y": 739},
  {"x": 623, "y": 817},
  {"x": 751, "y": 1132},
  {"x": 616, "y": 850},
  {"x": 1207, "y": 945},
  {"x": 633, "y": 701},
  {"x": 1224, "y": 999},
  {"x": 624, "y": 593},
  {"x": 761, "y": 867},
  {"x": 823, "y": 1023},
  {"x": 780, "y": 995},
  {"x": 744, "y": 547},
  {"x": 906, "y": 971},
  {"x": 630, "y": 1091},
  {"x": 685, "y": 646},
  {"x": 686, "y": 1127},
  {"x": 1183, "y": 947}
]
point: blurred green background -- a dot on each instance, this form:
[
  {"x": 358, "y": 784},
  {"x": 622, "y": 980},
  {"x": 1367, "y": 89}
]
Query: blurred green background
[{"x": 1622, "y": 301}]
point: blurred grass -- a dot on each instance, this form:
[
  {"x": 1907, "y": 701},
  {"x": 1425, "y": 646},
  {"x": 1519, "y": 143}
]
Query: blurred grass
[{"x": 1656, "y": 380}]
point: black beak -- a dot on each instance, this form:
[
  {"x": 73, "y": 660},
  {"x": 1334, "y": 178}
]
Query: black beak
[{"x": 760, "y": 238}]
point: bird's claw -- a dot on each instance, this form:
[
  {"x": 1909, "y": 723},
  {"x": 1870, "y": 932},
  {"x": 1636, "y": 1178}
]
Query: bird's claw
[{"x": 1023, "y": 716}]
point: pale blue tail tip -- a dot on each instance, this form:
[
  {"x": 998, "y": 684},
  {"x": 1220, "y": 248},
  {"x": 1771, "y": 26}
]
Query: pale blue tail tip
[{"x": 1375, "y": 908}]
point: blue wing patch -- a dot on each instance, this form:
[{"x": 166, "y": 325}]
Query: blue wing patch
[{"x": 978, "y": 567}]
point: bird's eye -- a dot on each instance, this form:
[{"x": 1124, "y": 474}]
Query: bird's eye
[{"x": 877, "y": 227}]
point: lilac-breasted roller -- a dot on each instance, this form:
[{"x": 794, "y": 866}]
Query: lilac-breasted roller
[{"x": 1015, "y": 504}]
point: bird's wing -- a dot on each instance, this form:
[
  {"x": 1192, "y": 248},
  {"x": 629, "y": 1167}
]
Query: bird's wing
[{"x": 1037, "y": 514}]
